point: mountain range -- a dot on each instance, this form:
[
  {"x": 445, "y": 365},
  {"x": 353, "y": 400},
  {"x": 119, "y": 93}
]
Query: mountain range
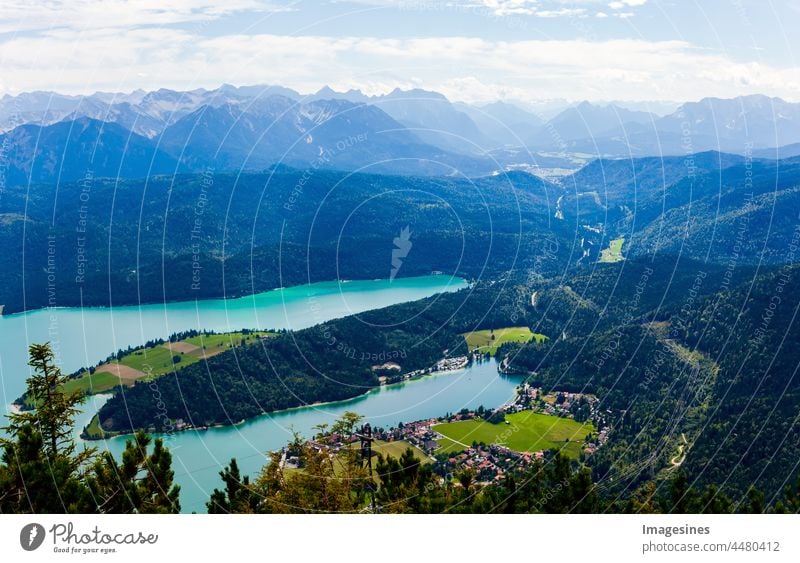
[
  {"x": 224, "y": 133},
  {"x": 414, "y": 132}
]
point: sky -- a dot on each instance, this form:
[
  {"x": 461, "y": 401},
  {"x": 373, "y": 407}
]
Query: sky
[{"x": 474, "y": 51}]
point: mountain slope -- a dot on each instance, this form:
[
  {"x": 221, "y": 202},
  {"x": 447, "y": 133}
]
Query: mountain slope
[
  {"x": 73, "y": 150},
  {"x": 434, "y": 120},
  {"x": 143, "y": 240},
  {"x": 321, "y": 133},
  {"x": 588, "y": 121},
  {"x": 734, "y": 123},
  {"x": 504, "y": 123}
]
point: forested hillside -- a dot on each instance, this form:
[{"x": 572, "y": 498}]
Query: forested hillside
[
  {"x": 708, "y": 370},
  {"x": 328, "y": 362},
  {"x": 102, "y": 242}
]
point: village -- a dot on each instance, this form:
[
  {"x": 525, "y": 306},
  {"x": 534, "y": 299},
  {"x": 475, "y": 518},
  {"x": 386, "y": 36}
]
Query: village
[
  {"x": 445, "y": 364},
  {"x": 493, "y": 460}
]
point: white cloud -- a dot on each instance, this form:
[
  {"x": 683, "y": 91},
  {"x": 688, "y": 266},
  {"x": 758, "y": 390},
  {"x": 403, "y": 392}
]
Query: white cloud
[
  {"x": 499, "y": 8},
  {"x": 23, "y": 15},
  {"x": 621, "y": 4},
  {"x": 463, "y": 68},
  {"x": 562, "y": 12},
  {"x": 510, "y": 7}
]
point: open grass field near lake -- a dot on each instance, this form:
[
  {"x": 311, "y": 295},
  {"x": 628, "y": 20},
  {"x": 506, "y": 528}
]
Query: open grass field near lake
[
  {"x": 397, "y": 449},
  {"x": 490, "y": 340},
  {"x": 158, "y": 360},
  {"x": 97, "y": 382},
  {"x": 525, "y": 432},
  {"x": 155, "y": 361}
]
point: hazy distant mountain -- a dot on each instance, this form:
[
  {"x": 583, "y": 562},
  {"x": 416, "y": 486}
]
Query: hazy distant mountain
[
  {"x": 589, "y": 121},
  {"x": 777, "y": 153},
  {"x": 410, "y": 132},
  {"x": 434, "y": 120},
  {"x": 738, "y": 125},
  {"x": 73, "y": 150},
  {"x": 756, "y": 119},
  {"x": 504, "y": 123},
  {"x": 257, "y": 91},
  {"x": 145, "y": 113},
  {"x": 42, "y": 108},
  {"x": 323, "y": 133},
  {"x": 545, "y": 109},
  {"x": 234, "y": 130},
  {"x": 431, "y": 116},
  {"x": 657, "y": 107},
  {"x": 328, "y": 93}
]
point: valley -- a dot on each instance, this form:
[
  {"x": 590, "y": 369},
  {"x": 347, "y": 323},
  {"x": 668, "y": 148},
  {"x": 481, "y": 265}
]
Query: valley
[{"x": 619, "y": 321}]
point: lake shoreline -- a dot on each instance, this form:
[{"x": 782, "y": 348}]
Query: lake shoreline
[
  {"x": 85, "y": 337},
  {"x": 165, "y": 302},
  {"x": 198, "y": 429}
]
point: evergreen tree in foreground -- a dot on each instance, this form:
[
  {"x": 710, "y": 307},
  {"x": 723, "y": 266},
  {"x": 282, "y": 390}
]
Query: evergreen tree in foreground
[{"x": 43, "y": 471}]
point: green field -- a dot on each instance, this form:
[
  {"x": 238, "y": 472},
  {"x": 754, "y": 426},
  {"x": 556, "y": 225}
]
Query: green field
[
  {"x": 489, "y": 341},
  {"x": 526, "y": 432},
  {"x": 157, "y": 360},
  {"x": 397, "y": 449},
  {"x": 97, "y": 382},
  {"x": 614, "y": 251},
  {"x": 93, "y": 429},
  {"x": 94, "y": 383},
  {"x": 215, "y": 343}
]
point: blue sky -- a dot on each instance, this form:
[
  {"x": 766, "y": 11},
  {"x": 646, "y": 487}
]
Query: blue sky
[{"x": 473, "y": 50}]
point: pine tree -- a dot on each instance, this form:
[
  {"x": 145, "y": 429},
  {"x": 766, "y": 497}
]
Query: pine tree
[
  {"x": 54, "y": 409},
  {"x": 31, "y": 482},
  {"x": 237, "y": 498},
  {"x": 142, "y": 483},
  {"x": 41, "y": 470}
]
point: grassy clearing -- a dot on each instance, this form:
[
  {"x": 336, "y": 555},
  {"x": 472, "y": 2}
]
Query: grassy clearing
[
  {"x": 397, "y": 449},
  {"x": 489, "y": 341},
  {"x": 526, "y": 432},
  {"x": 93, "y": 430},
  {"x": 394, "y": 449},
  {"x": 614, "y": 251},
  {"x": 212, "y": 344},
  {"x": 155, "y": 361},
  {"x": 98, "y": 382}
]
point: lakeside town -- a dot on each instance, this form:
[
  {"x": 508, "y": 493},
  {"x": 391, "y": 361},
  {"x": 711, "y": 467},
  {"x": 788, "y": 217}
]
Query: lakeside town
[
  {"x": 445, "y": 364},
  {"x": 493, "y": 460}
]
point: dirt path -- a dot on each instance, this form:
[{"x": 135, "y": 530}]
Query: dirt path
[{"x": 677, "y": 460}]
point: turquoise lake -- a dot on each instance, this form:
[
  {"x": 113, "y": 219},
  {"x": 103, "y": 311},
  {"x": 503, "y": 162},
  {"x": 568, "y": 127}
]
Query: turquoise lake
[{"x": 86, "y": 336}]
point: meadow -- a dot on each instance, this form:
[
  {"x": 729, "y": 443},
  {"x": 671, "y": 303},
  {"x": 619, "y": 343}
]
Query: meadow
[
  {"x": 154, "y": 361},
  {"x": 614, "y": 251},
  {"x": 525, "y": 432},
  {"x": 488, "y": 341}
]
